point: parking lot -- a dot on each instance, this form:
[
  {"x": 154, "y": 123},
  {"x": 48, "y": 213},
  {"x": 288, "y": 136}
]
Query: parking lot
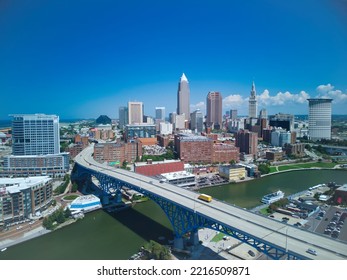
[{"x": 332, "y": 223}]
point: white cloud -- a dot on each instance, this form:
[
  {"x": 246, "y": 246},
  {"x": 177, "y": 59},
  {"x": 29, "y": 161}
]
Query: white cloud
[
  {"x": 200, "y": 105},
  {"x": 233, "y": 101},
  {"x": 327, "y": 91},
  {"x": 282, "y": 98}
]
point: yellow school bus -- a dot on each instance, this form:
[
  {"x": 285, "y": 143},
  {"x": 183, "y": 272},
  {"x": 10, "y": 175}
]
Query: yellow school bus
[{"x": 205, "y": 197}]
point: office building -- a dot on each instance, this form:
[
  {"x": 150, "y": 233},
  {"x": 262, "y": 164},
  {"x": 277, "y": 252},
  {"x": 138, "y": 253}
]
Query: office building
[
  {"x": 233, "y": 114},
  {"x": 36, "y": 134},
  {"x": 214, "y": 109},
  {"x": 319, "y": 118},
  {"x": 252, "y": 103},
  {"x": 285, "y": 121},
  {"x": 197, "y": 121},
  {"x": 123, "y": 116},
  {"x": 183, "y": 97},
  {"x": 36, "y": 147},
  {"x": 160, "y": 113},
  {"x": 247, "y": 142},
  {"x": 135, "y": 112}
]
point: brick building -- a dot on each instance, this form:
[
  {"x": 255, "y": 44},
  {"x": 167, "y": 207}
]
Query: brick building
[
  {"x": 155, "y": 168},
  {"x": 117, "y": 152}
]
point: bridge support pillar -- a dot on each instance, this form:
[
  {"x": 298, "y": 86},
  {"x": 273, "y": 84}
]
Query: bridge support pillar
[
  {"x": 118, "y": 196},
  {"x": 178, "y": 243},
  {"x": 105, "y": 199},
  {"x": 194, "y": 237}
]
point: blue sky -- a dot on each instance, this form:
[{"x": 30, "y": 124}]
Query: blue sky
[{"x": 83, "y": 58}]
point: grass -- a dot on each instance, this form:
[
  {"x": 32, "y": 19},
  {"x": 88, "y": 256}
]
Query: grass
[
  {"x": 218, "y": 237},
  {"x": 70, "y": 197},
  {"x": 273, "y": 169}
]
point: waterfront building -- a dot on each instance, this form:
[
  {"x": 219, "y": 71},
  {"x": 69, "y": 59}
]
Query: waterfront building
[
  {"x": 85, "y": 204},
  {"x": 36, "y": 134},
  {"x": 183, "y": 97},
  {"x": 319, "y": 118},
  {"x": 35, "y": 147},
  {"x": 181, "y": 179},
  {"x": 197, "y": 121},
  {"x": 252, "y": 103},
  {"x": 123, "y": 116},
  {"x": 24, "y": 198},
  {"x": 232, "y": 172},
  {"x": 135, "y": 112},
  {"x": 214, "y": 109}
]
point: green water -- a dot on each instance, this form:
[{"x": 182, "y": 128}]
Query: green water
[{"x": 100, "y": 236}]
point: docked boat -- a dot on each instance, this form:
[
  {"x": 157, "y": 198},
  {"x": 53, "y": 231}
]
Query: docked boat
[{"x": 272, "y": 197}]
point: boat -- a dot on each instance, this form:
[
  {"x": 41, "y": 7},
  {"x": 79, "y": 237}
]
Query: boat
[
  {"x": 272, "y": 197},
  {"x": 3, "y": 249}
]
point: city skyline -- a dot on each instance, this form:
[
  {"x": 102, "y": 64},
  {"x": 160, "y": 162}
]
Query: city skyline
[{"x": 107, "y": 53}]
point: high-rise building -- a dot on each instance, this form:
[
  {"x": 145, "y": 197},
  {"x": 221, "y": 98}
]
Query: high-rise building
[
  {"x": 183, "y": 97},
  {"x": 319, "y": 118},
  {"x": 197, "y": 121},
  {"x": 247, "y": 142},
  {"x": 36, "y": 134},
  {"x": 135, "y": 112},
  {"x": 160, "y": 113},
  {"x": 123, "y": 116},
  {"x": 252, "y": 103},
  {"x": 233, "y": 114},
  {"x": 35, "y": 147},
  {"x": 214, "y": 109}
]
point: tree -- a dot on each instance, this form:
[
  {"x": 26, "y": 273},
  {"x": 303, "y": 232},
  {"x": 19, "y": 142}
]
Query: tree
[
  {"x": 156, "y": 251},
  {"x": 263, "y": 168}
]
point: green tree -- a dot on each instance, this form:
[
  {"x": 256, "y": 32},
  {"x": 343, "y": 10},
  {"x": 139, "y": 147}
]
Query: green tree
[
  {"x": 156, "y": 251},
  {"x": 264, "y": 168}
]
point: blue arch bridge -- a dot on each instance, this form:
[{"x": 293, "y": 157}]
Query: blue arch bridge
[{"x": 187, "y": 214}]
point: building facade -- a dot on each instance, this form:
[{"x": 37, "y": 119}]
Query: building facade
[
  {"x": 319, "y": 118},
  {"x": 247, "y": 142},
  {"x": 139, "y": 131},
  {"x": 135, "y": 112},
  {"x": 23, "y": 198},
  {"x": 123, "y": 116},
  {"x": 183, "y": 97},
  {"x": 36, "y": 134},
  {"x": 252, "y": 103},
  {"x": 197, "y": 121},
  {"x": 214, "y": 109}
]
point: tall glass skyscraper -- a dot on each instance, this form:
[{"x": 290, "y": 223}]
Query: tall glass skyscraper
[
  {"x": 319, "y": 118},
  {"x": 183, "y": 97},
  {"x": 36, "y": 134}
]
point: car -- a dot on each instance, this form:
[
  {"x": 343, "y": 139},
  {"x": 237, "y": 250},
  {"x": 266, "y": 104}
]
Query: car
[
  {"x": 251, "y": 253},
  {"x": 272, "y": 216},
  {"x": 311, "y": 251}
]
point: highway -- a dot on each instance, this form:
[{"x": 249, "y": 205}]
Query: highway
[{"x": 286, "y": 236}]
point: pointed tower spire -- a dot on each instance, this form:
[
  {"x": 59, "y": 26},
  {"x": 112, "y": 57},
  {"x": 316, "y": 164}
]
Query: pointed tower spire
[{"x": 184, "y": 78}]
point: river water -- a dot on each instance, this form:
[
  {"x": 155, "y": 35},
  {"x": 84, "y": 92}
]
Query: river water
[{"x": 101, "y": 236}]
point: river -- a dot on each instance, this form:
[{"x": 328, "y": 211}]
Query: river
[{"x": 101, "y": 236}]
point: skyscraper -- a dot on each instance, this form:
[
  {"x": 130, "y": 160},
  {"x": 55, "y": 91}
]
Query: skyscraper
[
  {"x": 197, "y": 121},
  {"x": 183, "y": 97},
  {"x": 160, "y": 113},
  {"x": 214, "y": 109},
  {"x": 123, "y": 116},
  {"x": 35, "y": 147},
  {"x": 252, "y": 103},
  {"x": 135, "y": 112},
  {"x": 319, "y": 118},
  {"x": 36, "y": 134},
  {"x": 233, "y": 114}
]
